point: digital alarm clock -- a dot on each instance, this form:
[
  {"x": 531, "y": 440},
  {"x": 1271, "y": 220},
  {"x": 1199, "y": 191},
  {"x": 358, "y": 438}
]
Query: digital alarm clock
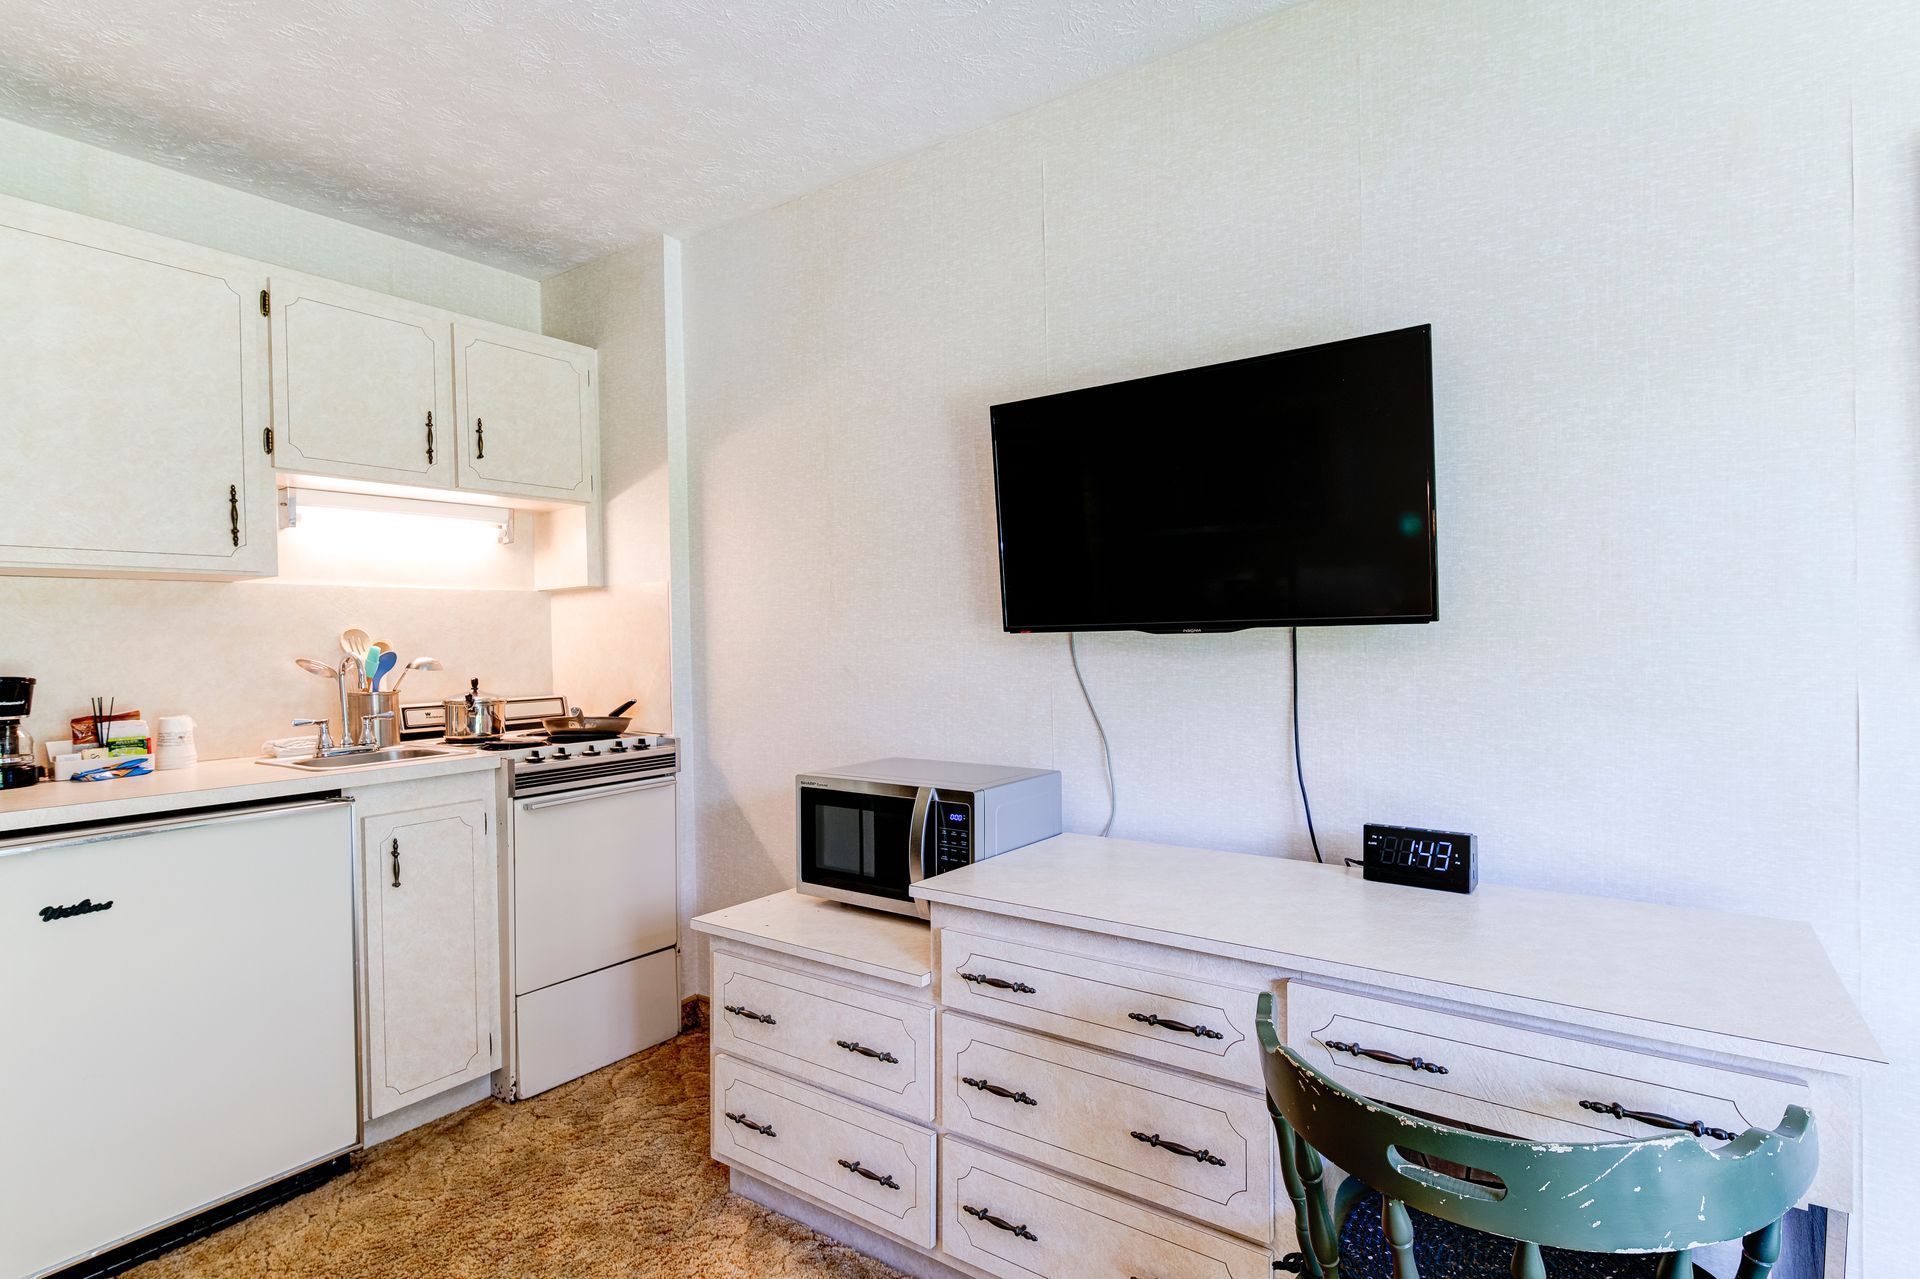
[{"x": 1420, "y": 858}]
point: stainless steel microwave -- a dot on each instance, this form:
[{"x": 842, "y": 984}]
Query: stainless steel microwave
[{"x": 869, "y": 832}]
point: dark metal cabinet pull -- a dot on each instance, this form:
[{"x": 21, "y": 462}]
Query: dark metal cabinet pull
[
  {"x": 870, "y": 1174},
  {"x": 233, "y": 512},
  {"x": 998, "y": 1091},
  {"x": 1153, "y": 1019},
  {"x": 854, "y": 1046},
  {"x": 765, "y": 1130},
  {"x": 393, "y": 851},
  {"x": 765, "y": 1019},
  {"x": 429, "y": 437},
  {"x": 479, "y": 438},
  {"x": 999, "y": 1223},
  {"x": 1391, "y": 1059},
  {"x": 1694, "y": 1126},
  {"x": 999, "y": 983},
  {"x": 1185, "y": 1152}
]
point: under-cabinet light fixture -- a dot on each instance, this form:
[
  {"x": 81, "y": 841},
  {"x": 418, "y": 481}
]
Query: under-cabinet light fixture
[{"x": 292, "y": 498}]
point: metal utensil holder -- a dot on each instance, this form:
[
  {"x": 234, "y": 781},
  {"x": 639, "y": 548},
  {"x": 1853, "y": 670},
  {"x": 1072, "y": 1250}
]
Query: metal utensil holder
[{"x": 386, "y": 732}]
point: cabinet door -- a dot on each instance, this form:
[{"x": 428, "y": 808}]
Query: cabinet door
[
  {"x": 432, "y": 953},
  {"x": 135, "y": 404},
  {"x": 529, "y": 414},
  {"x": 362, "y": 385},
  {"x": 183, "y": 1032}
]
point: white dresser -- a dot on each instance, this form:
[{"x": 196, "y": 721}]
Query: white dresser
[{"x": 1068, "y": 1081}]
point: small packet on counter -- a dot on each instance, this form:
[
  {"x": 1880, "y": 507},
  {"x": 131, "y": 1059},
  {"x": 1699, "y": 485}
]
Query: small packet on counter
[
  {"x": 130, "y": 766},
  {"x": 119, "y": 724}
]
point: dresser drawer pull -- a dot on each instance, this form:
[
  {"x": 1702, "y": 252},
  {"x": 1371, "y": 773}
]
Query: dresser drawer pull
[
  {"x": 999, "y": 983},
  {"x": 854, "y": 1046},
  {"x": 1391, "y": 1059},
  {"x": 1185, "y": 1152},
  {"x": 998, "y": 1223},
  {"x": 869, "y": 1174},
  {"x": 998, "y": 1091},
  {"x": 1695, "y": 1127},
  {"x": 1154, "y": 1019},
  {"x": 765, "y": 1130},
  {"x": 763, "y": 1018}
]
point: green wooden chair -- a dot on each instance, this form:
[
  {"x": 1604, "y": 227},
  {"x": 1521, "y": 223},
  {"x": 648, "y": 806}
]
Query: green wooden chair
[{"x": 1663, "y": 1195}]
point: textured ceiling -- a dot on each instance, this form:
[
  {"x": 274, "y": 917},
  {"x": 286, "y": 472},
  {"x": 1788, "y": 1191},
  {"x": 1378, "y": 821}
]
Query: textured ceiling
[{"x": 538, "y": 134}]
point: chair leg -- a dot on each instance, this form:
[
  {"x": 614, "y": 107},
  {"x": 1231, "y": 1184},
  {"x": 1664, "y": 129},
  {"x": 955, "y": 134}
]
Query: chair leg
[
  {"x": 1296, "y": 1191},
  {"x": 1527, "y": 1263},
  {"x": 1761, "y": 1250},
  {"x": 1399, "y": 1228},
  {"x": 1326, "y": 1244},
  {"x": 1676, "y": 1265}
]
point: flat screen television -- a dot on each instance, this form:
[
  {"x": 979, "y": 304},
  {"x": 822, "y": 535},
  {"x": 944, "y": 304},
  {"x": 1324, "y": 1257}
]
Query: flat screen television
[{"x": 1293, "y": 489}]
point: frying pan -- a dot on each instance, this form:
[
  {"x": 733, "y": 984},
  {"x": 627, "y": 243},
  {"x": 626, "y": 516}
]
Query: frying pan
[{"x": 578, "y": 725}]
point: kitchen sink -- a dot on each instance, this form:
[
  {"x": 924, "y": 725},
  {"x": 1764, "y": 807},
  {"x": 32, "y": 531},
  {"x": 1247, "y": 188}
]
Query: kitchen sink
[{"x": 361, "y": 759}]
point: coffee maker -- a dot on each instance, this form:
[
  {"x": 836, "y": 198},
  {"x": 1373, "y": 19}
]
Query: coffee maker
[{"x": 17, "y": 766}]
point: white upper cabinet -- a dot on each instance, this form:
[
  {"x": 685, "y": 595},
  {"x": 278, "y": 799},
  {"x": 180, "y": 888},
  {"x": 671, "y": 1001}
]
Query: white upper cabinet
[
  {"x": 362, "y": 385},
  {"x": 134, "y": 404},
  {"x": 529, "y": 414}
]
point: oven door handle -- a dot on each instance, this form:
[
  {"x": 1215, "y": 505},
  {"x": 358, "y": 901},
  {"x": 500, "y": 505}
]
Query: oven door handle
[
  {"x": 917, "y": 840},
  {"x": 592, "y": 792}
]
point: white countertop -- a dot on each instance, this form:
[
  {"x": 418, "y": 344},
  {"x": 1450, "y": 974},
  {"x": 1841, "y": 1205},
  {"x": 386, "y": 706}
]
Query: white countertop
[
  {"x": 1764, "y": 980},
  {"x": 892, "y": 947},
  {"x": 214, "y": 781}
]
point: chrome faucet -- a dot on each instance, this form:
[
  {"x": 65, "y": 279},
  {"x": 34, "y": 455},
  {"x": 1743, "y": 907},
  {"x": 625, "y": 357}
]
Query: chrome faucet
[
  {"x": 367, "y": 740},
  {"x": 323, "y": 744}
]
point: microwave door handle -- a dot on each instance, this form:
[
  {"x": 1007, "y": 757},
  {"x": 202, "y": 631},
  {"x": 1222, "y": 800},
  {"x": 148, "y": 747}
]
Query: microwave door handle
[{"x": 917, "y": 839}]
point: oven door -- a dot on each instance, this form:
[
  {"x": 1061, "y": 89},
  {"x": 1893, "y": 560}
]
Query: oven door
[{"x": 862, "y": 842}]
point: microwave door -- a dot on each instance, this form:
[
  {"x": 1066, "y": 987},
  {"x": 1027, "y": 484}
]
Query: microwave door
[{"x": 863, "y": 843}]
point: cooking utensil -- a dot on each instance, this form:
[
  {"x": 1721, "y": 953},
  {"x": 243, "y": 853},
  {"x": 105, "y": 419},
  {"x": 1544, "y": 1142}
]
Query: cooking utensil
[
  {"x": 370, "y": 664},
  {"x": 338, "y": 674},
  {"x": 476, "y": 717},
  {"x": 387, "y": 662},
  {"x": 417, "y": 664},
  {"x": 354, "y": 643},
  {"x": 578, "y": 725}
]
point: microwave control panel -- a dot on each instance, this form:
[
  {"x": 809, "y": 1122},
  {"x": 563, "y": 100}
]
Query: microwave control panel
[{"x": 952, "y": 835}]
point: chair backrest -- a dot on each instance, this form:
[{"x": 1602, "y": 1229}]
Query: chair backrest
[{"x": 1658, "y": 1194}]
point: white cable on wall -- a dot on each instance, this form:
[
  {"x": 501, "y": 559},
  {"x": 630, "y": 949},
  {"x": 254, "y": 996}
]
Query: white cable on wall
[{"x": 1106, "y": 755}]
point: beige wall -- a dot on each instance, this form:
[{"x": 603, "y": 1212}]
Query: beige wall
[
  {"x": 1669, "y": 254},
  {"x": 613, "y": 644},
  {"x": 224, "y": 652},
  {"x": 48, "y": 169}
]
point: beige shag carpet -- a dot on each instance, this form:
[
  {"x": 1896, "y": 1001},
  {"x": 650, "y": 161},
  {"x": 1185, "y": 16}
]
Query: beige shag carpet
[{"x": 606, "y": 1176}]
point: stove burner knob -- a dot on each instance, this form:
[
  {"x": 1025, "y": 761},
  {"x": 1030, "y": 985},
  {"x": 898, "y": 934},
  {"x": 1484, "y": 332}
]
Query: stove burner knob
[
  {"x": 591, "y": 750},
  {"x": 562, "y": 753},
  {"x": 534, "y": 758},
  {"x": 619, "y": 745}
]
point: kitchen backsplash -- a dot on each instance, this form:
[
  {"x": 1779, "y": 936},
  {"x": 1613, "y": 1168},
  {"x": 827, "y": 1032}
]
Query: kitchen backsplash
[{"x": 223, "y": 652}]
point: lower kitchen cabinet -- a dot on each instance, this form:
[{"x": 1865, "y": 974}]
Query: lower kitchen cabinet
[{"x": 432, "y": 951}]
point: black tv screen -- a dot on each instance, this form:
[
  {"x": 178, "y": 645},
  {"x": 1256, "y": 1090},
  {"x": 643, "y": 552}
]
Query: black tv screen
[{"x": 1293, "y": 489}]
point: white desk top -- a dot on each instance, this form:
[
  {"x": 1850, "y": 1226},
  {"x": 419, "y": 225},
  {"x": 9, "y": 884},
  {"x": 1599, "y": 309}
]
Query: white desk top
[
  {"x": 214, "y": 781},
  {"x": 1762, "y": 980},
  {"x": 891, "y": 947}
]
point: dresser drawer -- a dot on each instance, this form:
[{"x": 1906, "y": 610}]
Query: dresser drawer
[
  {"x": 870, "y": 1047},
  {"x": 1011, "y": 1220},
  {"x": 866, "y": 1165},
  {"x": 1178, "y": 1021},
  {"x": 1195, "y": 1147},
  {"x": 1527, "y": 1083}
]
